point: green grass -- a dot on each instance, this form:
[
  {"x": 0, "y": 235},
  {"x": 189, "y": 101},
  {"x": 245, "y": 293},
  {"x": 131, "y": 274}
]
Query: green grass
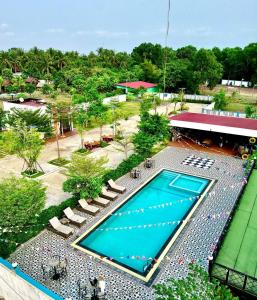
[
  {"x": 32, "y": 175},
  {"x": 60, "y": 162},
  {"x": 236, "y": 106},
  {"x": 239, "y": 249},
  {"x": 124, "y": 111},
  {"x": 130, "y": 108}
]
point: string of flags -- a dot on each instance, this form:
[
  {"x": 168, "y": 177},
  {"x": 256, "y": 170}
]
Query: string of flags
[
  {"x": 167, "y": 223},
  {"x": 180, "y": 260},
  {"x": 20, "y": 228},
  {"x": 157, "y": 206}
]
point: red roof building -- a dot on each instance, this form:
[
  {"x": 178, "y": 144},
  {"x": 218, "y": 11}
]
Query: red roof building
[
  {"x": 150, "y": 87},
  {"x": 215, "y": 123}
]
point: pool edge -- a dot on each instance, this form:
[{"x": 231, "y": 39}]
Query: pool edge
[{"x": 167, "y": 247}]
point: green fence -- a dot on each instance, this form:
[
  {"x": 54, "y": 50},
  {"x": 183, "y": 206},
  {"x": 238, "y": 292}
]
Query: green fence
[{"x": 237, "y": 280}]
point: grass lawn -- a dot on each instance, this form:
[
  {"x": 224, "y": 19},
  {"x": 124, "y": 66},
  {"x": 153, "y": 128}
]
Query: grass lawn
[
  {"x": 124, "y": 111},
  {"x": 130, "y": 108},
  {"x": 239, "y": 249},
  {"x": 236, "y": 106},
  {"x": 60, "y": 162}
]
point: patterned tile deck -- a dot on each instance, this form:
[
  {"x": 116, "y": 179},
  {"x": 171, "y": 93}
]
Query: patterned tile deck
[{"x": 196, "y": 242}]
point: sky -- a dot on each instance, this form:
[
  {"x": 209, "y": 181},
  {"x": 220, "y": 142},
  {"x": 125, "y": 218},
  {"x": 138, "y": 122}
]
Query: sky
[{"x": 86, "y": 25}]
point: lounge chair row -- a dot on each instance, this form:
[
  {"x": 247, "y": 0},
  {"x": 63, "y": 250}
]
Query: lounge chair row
[{"x": 103, "y": 200}]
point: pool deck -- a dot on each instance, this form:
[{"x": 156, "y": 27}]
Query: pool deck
[{"x": 195, "y": 243}]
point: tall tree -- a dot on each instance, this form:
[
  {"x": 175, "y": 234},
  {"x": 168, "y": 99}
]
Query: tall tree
[
  {"x": 26, "y": 143},
  {"x": 206, "y": 68},
  {"x": 80, "y": 119}
]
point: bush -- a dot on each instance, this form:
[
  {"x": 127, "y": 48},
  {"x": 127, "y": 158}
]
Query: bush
[
  {"x": 124, "y": 167},
  {"x": 8, "y": 240},
  {"x": 144, "y": 143},
  {"x": 84, "y": 188}
]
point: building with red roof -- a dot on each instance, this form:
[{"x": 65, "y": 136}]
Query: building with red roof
[
  {"x": 215, "y": 123},
  {"x": 135, "y": 85}
]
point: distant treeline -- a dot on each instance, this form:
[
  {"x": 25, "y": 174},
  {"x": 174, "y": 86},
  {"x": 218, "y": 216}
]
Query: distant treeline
[{"x": 186, "y": 67}]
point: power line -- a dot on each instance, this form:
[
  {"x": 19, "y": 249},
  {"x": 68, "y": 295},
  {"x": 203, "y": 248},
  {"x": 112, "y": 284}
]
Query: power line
[{"x": 165, "y": 49}]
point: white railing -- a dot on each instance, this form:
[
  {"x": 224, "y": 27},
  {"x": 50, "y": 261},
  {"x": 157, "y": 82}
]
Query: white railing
[{"x": 167, "y": 96}]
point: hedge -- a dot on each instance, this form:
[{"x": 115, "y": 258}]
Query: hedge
[
  {"x": 43, "y": 219},
  {"x": 124, "y": 167},
  {"x": 57, "y": 210}
]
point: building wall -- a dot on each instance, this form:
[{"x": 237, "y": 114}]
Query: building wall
[
  {"x": 13, "y": 287},
  {"x": 149, "y": 90},
  {"x": 153, "y": 89},
  {"x": 119, "y": 98},
  {"x": 7, "y": 106},
  {"x": 237, "y": 83}
]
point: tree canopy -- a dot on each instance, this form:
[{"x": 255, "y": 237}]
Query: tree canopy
[
  {"x": 21, "y": 200},
  {"x": 25, "y": 142},
  {"x": 98, "y": 71},
  {"x": 196, "y": 285}
]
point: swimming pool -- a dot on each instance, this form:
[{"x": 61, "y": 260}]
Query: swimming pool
[{"x": 135, "y": 235}]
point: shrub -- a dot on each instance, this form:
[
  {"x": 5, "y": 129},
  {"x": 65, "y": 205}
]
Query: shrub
[
  {"x": 8, "y": 240},
  {"x": 84, "y": 188},
  {"x": 20, "y": 200},
  {"x": 144, "y": 143},
  {"x": 124, "y": 167}
]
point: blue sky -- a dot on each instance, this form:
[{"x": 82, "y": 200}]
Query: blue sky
[{"x": 85, "y": 25}]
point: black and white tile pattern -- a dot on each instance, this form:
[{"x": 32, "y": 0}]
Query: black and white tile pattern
[
  {"x": 198, "y": 162},
  {"x": 196, "y": 241}
]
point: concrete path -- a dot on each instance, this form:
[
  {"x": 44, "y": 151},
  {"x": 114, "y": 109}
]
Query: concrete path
[{"x": 54, "y": 176}]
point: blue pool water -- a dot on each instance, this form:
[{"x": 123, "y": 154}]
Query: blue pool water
[{"x": 158, "y": 203}]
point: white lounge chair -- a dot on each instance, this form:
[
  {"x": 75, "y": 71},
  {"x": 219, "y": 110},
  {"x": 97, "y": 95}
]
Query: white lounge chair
[
  {"x": 90, "y": 209},
  {"x": 115, "y": 187},
  {"x": 108, "y": 195},
  {"x": 101, "y": 201},
  {"x": 73, "y": 218},
  {"x": 59, "y": 228}
]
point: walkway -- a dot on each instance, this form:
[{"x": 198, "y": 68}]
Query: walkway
[
  {"x": 195, "y": 243},
  {"x": 54, "y": 177}
]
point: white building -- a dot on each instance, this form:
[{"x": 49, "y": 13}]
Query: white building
[
  {"x": 25, "y": 105},
  {"x": 237, "y": 83}
]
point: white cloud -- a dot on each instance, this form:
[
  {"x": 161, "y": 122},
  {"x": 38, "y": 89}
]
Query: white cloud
[
  {"x": 4, "y": 30},
  {"x": 153, "y": 32},
  {"x": 199, "y": 32},
  {"x": 8, "y": 33},
  {"x": 3, "y": 26},
  {"x": 102, "y": 33},
  {"x": 54, "y": 30}
]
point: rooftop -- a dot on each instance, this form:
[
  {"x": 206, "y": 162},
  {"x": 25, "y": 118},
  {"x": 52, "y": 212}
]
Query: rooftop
[
  {"x": 223, "y": 124},
  {"x": 137, "y": 84}
]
